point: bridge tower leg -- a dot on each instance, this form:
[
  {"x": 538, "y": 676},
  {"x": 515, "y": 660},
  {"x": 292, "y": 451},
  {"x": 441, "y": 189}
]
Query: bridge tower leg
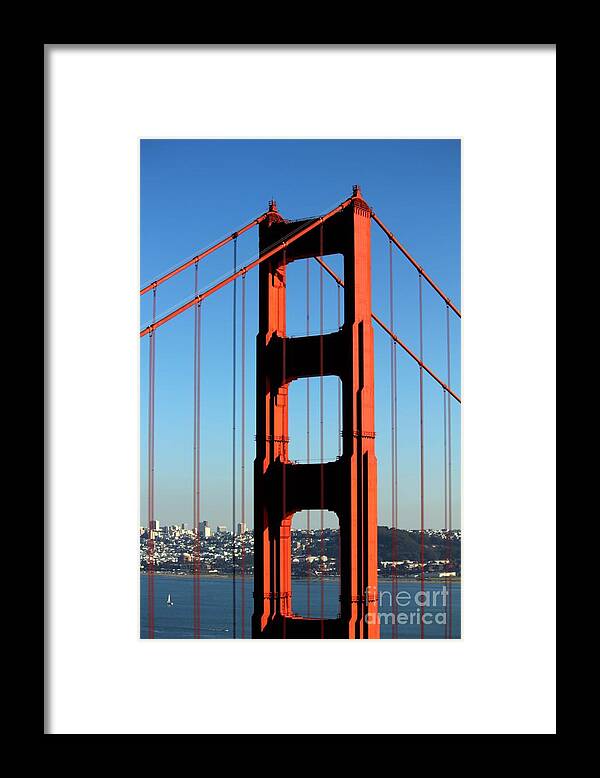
[{"x": 347, "y": 486}]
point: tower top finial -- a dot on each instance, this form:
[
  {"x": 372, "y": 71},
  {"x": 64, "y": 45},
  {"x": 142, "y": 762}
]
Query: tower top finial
[
  {"x": 356, "y": 191},
  {"x": 272, "y": 206}
]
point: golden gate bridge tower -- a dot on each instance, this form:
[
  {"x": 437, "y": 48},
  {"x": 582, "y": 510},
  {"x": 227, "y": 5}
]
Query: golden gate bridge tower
[{"x": 346, "y": 486}]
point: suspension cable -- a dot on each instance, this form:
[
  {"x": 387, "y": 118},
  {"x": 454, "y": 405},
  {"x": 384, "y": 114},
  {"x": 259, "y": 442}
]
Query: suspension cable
[
  {"x": 284, "y": 453},
  {"x": 339, "y": 320},
  {"x": 243, "y": 454},
  {"x": 308, "y": 538},
  {"x": 196, "y": 500},
  {"x": 422, "y": 462},
  {"x": 449, "y": 469},
  {"x": 393, "y": 441},
  {"x": 416, "y": 265},
  {"x": 195, "y": 259},
  {"x": 151, "y": 520},
  {"x": 393, "y": 335},
  {"x": 233, "y": 458},
  {"x": 262, "y": 258},
  {"x": 322, "y": 467},
  {"x": 446, "y": 534},
  {"x": 339, "y": 409}
]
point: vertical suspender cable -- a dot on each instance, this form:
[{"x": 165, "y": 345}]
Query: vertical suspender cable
[
  {"x": 233, "y": 462},
  {"x": 308, "y": 543},
  {"x": 339, "y": 560},
  {"x": 322, "y": 468},
  {"x": 394, "y": 501},
  {"x": 151, "y": 520},
  {"x": 283, "y": 596},
  {"x": 449, "y": 469},
  {"x": 339, "y": 317},
  {"x": 196, "y": 518},
  {"x": 195, "y": 527},
  {"x": 196, "y": 499},
  {"x": 422, "y": 461},
  {"x": 446, "y": 542},
  {"x": 243, "y": 453},
  {"x": 198, "y": 460}
]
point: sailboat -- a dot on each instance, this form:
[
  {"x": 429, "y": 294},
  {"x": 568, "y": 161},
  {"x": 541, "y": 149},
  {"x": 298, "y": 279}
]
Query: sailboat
[{"x": 169, "y": 600}]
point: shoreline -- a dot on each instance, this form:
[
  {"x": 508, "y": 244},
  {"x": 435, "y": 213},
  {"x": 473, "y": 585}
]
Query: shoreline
[{"x": 228, "y": 576}]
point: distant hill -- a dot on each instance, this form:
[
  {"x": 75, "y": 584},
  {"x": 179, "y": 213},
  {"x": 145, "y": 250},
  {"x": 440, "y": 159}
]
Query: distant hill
[{"x": 407, "y": 545}]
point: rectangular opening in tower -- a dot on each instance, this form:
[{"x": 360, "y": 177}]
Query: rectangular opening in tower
[
  {"x": 315, "y": 564},
  {"x": 305, "y": 403},
  {"x": 307, "y": 285}
]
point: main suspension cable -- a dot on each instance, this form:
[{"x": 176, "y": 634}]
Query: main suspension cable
[
  {"x": 195, "y": 259},
  {"x": 416, "y": 265},
  {"x": 393, "y": 335},
  {"x": 259, "y": 260}
]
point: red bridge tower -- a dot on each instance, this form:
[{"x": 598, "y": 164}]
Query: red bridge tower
[{"x": 347, "y": 486}]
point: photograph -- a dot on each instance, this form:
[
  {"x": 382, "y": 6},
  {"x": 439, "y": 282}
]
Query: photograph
[{"x": 300, "y": 389}]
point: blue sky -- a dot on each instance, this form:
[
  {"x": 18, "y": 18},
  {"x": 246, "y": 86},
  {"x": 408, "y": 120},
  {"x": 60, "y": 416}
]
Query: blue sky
[{"x": 195, "y": 192}]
